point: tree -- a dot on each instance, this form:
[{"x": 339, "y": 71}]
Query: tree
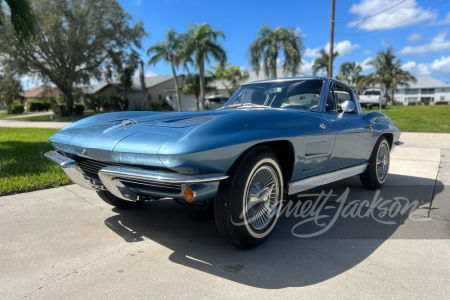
[
  {"x": 349, "y": 72},
  {"x": 21, "y": 17},
  {"x": 201, "y": 42},
  {"x": 169, "y": 51},
  {"x": 321, "y": 62},
  {"x": 268, "y": 46},
  {"x": 191, "y": 86},
  {"x": 10, "y": 90},
  {"x": 230, "y": 76},
  {"x": 388, "y": 73},
  {"x": 75, "y": 41}
]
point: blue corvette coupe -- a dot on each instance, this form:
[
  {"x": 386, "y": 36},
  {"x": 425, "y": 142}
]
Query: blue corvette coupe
[{"x": 272, "y": 138}]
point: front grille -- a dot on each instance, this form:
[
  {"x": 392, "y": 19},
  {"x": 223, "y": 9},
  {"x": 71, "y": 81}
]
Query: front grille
[
  {"x": 151, "y": 185},
  {"x": 92, "y": 166}
]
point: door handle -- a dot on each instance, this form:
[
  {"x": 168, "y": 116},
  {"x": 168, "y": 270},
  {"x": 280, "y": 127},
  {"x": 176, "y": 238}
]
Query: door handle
[{"x": 368, "y": 126}]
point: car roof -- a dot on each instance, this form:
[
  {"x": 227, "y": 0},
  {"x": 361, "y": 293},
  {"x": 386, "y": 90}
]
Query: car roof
[{"x": 282, "y": 79}]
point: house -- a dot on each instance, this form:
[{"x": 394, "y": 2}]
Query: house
[
  {"x": 426, "y": 89},
  {"x": 161, "y": 88},
  {"x": 41, "y": 93}
]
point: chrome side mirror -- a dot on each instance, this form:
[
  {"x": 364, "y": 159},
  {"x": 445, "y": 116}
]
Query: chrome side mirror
[{"x": 346, "y": 106}]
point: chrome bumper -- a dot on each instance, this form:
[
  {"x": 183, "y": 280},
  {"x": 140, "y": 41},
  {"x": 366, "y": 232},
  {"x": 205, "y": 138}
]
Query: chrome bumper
[
  {"x": 73, "y": 171},
  {"x": 112, "y": 178}
]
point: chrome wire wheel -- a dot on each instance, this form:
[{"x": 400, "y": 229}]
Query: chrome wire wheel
[
  {"x": 262, "y": 197},
  {"x": 382, "y": 161}
]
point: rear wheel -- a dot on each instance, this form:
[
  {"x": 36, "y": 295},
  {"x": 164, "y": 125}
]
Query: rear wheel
[
  {"x": 377, "y": 170},
  {"x": 247, "y": 203},
  {"x": 116, "y": 201}
]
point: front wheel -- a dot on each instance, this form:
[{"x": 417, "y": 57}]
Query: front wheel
[
  {"x": 247, "y": 204},
  {"x": 377, "y": 170}
]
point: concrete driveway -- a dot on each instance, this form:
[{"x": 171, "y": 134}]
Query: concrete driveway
[{"x": 66, "y": 243}]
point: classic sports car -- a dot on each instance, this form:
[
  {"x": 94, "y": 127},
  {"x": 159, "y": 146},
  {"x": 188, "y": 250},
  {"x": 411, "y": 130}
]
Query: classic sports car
[{"x": 272, "y": 138}]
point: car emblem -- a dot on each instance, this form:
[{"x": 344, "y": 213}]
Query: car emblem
[
  {"x": 323, "y": 126},
  {"x": 126, "y": 122}
]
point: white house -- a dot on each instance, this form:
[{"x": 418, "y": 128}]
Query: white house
[{"x": 426, "y": 89}]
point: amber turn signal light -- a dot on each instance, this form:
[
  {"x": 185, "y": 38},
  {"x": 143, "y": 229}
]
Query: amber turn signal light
[{"x": 189, "y": 194}]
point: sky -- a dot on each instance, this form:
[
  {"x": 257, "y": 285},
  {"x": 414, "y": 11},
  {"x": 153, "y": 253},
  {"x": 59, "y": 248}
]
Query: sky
[{"x": 418, "y": 30}]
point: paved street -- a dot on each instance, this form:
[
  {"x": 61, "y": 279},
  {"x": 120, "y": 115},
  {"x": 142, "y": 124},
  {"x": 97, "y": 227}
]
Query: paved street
[{"x": 66, "y": 243}]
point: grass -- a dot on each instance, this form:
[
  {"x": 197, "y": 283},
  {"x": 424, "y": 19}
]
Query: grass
[
  {"x": 23, "y": 167},
  {"x": 423, "y": 118}
]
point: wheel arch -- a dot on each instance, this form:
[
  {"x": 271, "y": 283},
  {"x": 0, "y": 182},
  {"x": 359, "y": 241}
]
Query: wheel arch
[
  {"x": 284, "y": 151},
  {"x": 389, "y": 137}
]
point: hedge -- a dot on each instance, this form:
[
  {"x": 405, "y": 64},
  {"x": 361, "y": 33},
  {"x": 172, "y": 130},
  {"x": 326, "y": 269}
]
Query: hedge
[
  {"x": 39, "y": 105},
  {"x": 17, "y": 108},
  {"x": 78, "y": 109}
]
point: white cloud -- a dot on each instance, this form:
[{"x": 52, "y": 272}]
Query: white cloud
[
  {"x": 299, "y": 32},
  {"x": 366, "y": 52},
  {"x": 414, "y": 37},
  {"x": 445, "y": 21},
  {"x": 438, "y": 65},
  {"x": 344, "y": 47},
  {"x": 306, "y": 66},
  {"x": 365, "y": 66},
  {"x": 438, "y": 43},
  {"x": 138, "y": 2},
  {"x": 312, "y": 52},
  {"x": 150, "y": 73},
  {"x": 405, "y": 14}
]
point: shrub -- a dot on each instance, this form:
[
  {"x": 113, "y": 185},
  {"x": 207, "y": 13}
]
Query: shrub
[
  {"x": 35, "y": 106},
  {"x": 155, "y": 106},
  {"x": 47, "y": 105},
  {"x": 166, "y": 106},
  {"x": 412, "y": 103},
  {"x": 441, "y": 103},
  {"x": 17, "y": 108},
  {"x": 78, "y": 109}
]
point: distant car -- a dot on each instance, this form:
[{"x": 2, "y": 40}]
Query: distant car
[
  {"x": 273, "y": 138},
  {"x": 215, "y": 102},
  {"x": 371, "y": 97}
]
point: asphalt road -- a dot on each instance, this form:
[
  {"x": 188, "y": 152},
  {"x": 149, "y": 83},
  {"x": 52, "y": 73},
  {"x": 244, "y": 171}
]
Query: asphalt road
[{"x": 66, "y": 243}]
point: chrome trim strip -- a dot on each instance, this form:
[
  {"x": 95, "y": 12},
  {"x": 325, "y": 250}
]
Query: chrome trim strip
[
  {"x": 312, "y": 182},
  {"x": 73, "y": 171},
  {"x": 140, "y": 174},
  {"x": 398, "y": 143}
]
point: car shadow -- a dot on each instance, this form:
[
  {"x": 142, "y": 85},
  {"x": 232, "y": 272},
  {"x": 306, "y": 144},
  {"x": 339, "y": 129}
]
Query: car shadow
[{"x": 285, "y": 260}]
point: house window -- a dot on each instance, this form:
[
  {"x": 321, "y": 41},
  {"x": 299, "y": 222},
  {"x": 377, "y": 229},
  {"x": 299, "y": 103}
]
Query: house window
[
  {"x": 442, "y": 90},
  {"x": 411, "y": 91},
  {"x": 427, "y": 91},
  {"x": 411, "y": 99},
  {"x": 426, "y": 99},
  {"x": 442, "y": 97},
  {"x": 149, "y": 97},
  {"x": 159, "y": 97}
]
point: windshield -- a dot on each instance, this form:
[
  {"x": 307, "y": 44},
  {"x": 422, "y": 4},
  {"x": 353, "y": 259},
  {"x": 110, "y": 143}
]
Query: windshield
[
  {"x": 301, "y": 94},
  {"x": 372, "y": 93}
]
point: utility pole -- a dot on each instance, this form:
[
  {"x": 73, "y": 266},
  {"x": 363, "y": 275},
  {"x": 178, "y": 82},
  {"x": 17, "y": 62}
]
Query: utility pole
[{"x": 330, "y": 58}]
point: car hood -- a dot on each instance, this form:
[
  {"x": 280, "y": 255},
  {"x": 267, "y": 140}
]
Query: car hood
[{"x": 128, "y": 137}]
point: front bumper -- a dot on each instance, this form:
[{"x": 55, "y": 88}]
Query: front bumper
[{"x": 130, "y": 183}]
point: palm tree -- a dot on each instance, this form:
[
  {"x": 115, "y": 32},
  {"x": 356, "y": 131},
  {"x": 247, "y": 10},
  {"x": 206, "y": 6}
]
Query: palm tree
[
  {"x": 321, "y": 62},
  {"x": 22, "y": 18},
  {"x": 388, "y": 73},
  {"x": 267, "y": 48},
  {"x": 201, "y": 42},
  {"x": 230, "y": 76},
  {"x": 349, "y": 72},
  {"x": 191, "y": 86},
  {"x": 169, "y": 51}
]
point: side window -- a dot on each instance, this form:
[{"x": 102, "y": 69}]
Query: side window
[
  {"x": 330, "y": 105},
  {"x": 343, "y": 94}
]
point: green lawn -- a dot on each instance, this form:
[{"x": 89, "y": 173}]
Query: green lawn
[
  {"x": 23, "y": 167},
  {"x": 423, "y": 118}
]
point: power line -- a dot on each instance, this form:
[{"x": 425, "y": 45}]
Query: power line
[
  {"x": 364, "y": 18},
  {"x": 394, "y": 25}
]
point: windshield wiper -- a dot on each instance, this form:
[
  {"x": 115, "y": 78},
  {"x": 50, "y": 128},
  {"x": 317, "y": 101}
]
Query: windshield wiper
[{"x": 246, "y": 105}]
